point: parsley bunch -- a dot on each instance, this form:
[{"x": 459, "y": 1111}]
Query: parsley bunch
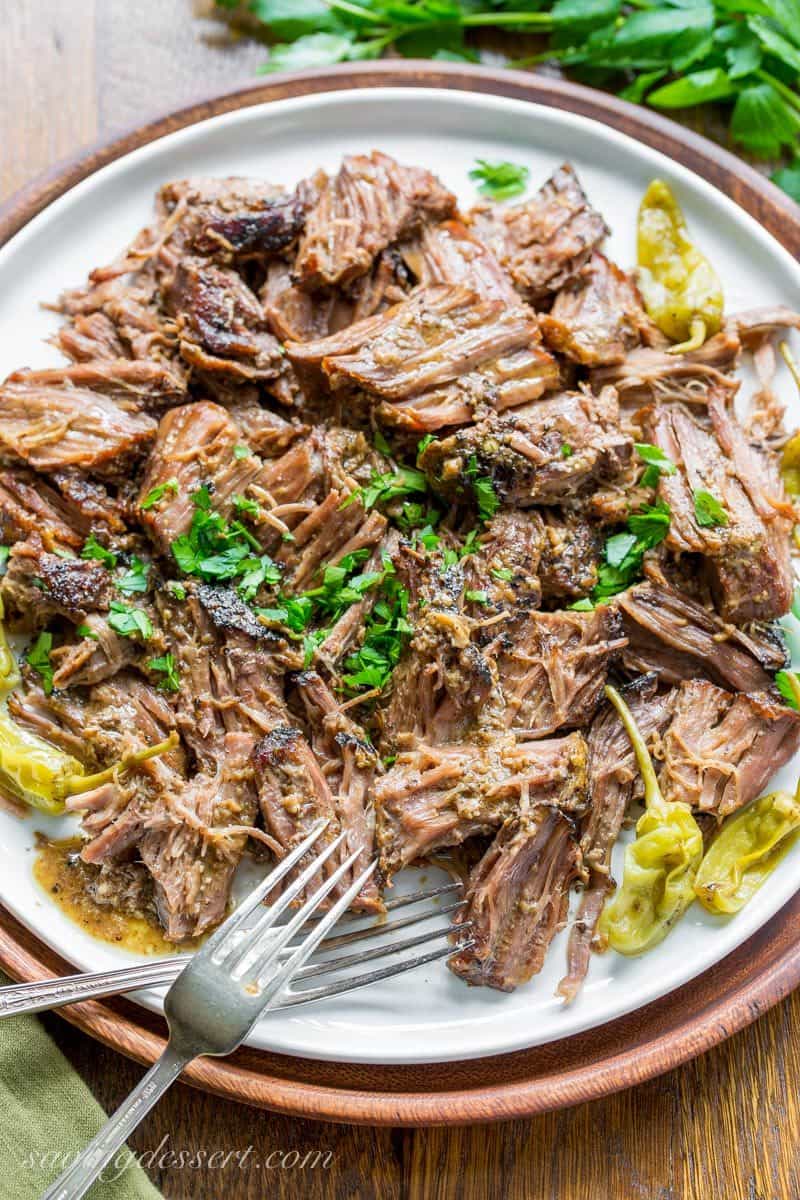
[{"x": 669, "y": 54}]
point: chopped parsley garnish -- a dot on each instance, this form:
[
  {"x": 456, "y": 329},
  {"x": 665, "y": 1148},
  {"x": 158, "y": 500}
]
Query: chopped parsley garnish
[
  {"x": 788, "y": 685},
  {"x": 93, "y": 549},
  {"x": 240, "y": 452},
  {"x": 4, "y": 553},
  {"x": 423, "y": 443},
  {"x": 499, "y": 180},
  {"x": 135, "y": 578},
  {"x": 386, "y": 633},
  {"x": 657, "y": 463},
  {"x": 566, "y": 450},
  {"x": 381, "y": 444},
  {"x": 476, "y": 596},
  {"x": 624, "y": 552},
  {"x": 85, "y": 632},
  {"x": 708, "y": 511},
  {"x": 243, "y": 504},
  {"x": 215, "y": 550},
  {"x": 176, "y": 589},
  {"x": 166, "y": 667},
  {"x": 505, "y": 574},
  {"x": 405, "y": 481},
  {"x": 483, "y": 490},
  {"x": 129, "y": 622},
  {"x": 583, "y": 605},
  {"x": 38, "y": 658},
  {"x": 159, "y": 492}
]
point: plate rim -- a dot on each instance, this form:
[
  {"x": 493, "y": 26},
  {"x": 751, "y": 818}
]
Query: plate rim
[{"x": 756, "y": 975}]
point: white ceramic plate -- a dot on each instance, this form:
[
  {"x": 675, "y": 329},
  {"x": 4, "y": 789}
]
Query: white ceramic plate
[{"x": 428, "y": 1015}]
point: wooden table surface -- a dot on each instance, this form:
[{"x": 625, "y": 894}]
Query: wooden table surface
[{"x": 726, "y": 1127}]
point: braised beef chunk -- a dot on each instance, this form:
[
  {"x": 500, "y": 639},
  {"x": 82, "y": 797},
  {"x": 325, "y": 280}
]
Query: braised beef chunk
[
  {"x": 438, "y": 796},
  {"x": 49, "y": 428},
  {"x": 613, "y": 783},
  {"x": 570, "y": 556},
  {"x": 449, "y": 254},
  {"x": 545, "y": 242},
  {"x": 538, "y": 454},
  {"x": 328, "y": 487},
  {"x": 647, "y": 373},
  {"x": 370, "y": 203},
  {"x": 254, "y": 232},
  {"x": 598, "y": 317},
  {"x": 136, "y": 385},
  {"x": 721, "y": 748},
  {"x": 728, "y": 505},
  {"x": 39, "y": 585},
  {"x": 517, "y": 899},
  {"x": 439, "y": 358},
  {"x": 221, "y": 325},
  {"x": 27, "y": 505},
  {"x": 553, "y": 667},
  {"x": 679, "y": 639}
]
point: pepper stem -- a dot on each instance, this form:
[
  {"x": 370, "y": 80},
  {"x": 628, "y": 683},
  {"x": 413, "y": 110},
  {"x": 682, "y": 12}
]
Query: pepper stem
[
  {"x": 791, "y": 362},
  {"x": 652, "y": 792},
  {"x": 697, "y": 336},
  {"x": 74, "y": 785}
]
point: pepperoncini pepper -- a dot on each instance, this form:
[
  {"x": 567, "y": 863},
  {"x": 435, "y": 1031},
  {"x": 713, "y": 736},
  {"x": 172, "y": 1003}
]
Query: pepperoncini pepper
[
  {"x": 746, "y": 851},
  {"x": 681, "y": 291},
  {"x": 9, "y": 671},
  {"x": 660, "y": 865},
  {"x": 42, "y": 776}
]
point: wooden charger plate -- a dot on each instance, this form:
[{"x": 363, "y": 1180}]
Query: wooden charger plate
[{"x": 585, "y": 1066}]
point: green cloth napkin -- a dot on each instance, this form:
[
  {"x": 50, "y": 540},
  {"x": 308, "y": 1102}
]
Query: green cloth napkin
[{"x": 46, "y": 1114}]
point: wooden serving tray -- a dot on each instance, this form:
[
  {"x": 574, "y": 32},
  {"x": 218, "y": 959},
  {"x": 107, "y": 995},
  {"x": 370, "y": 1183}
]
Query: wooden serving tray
[{"x": 628, "y": 1051}]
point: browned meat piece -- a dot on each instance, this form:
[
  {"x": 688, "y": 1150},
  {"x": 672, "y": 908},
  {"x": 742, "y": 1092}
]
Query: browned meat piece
[
  {"x": 292, "y": 314},
  {"x": 444, "y": 686},
  {"x": 264, "y": 431},
  {"x": 507, "y": 565},
  {"x": 134, "y": 384},
  {"x": 51, "y": 427},
  {"x": 96, "y": 656},
  {"x": 221, "y": 325},
  {"x": 517, "y": 899},
  {"x": 39, "y": 585},
  {"x": 599, "y": 317},
  {"x": 613, "y": 782},
  {"x": 113, "y": 317},
  {"x": 570, "y": 556},
  {"x": 539, "y": 454},
  {"x": 28, "y": 505},
  {"x": 449, "y": 254},
  {"x": 437, "y": 359},
  {"x": 552, "y": 667},
  {"x": 89, "y": 504},
  {"x": 349, "y": 763},
  {"x": 747, "y": 557},
  {"x": 90, "y": 338},
  {"x": 195, "y": 445},
  {"x": 721, "y": 748},
  {"x": 254, "y": 232},
  {"x": 545, "y": 242},
  {"x": 437, "y": 796},
  {"x": 325, "y": 536},
  {"x": 647, "y": 374},
  {"x": 676, "y": 637},
  {"x": 756, "y": 324},
  {"x": 370, "y": 203},
  {"x": 195, "y": 841}
]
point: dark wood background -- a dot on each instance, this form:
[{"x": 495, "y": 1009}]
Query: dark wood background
[{"x": 726, "y": 1127}]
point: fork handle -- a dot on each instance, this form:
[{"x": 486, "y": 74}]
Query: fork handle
[
  {"x": 40, "y": 996},
  {"x": 79, "y": 1177}
]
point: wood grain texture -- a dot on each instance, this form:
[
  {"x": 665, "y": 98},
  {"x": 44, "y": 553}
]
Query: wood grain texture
[{"x": 724, "y": 1126}]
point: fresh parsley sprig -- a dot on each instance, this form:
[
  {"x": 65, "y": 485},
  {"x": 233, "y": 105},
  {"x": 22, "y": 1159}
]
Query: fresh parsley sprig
[{"x": 669, "y": 54}]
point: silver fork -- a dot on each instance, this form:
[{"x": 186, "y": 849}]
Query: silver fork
[
  {"x": 47, "y": 994},
  {"x": 221, "y": 993}
]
